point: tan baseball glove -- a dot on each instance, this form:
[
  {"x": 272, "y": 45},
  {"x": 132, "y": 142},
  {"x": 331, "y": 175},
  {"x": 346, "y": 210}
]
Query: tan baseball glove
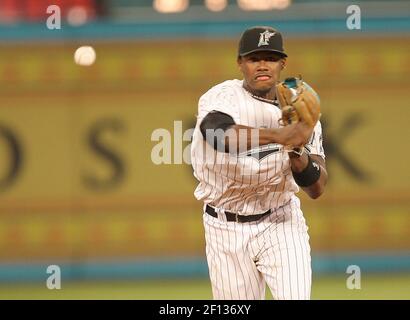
[{"x": 298, "y": 102}]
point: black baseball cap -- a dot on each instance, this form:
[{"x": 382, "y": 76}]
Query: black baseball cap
[{"x": 261, "y": 39}]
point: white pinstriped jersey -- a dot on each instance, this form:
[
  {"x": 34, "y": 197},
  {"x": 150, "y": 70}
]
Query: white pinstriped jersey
[{"x": 248, "y": 183}]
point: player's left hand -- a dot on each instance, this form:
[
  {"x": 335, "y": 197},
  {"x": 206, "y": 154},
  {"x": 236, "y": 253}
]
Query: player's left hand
[{"x": 298, "y": 102}]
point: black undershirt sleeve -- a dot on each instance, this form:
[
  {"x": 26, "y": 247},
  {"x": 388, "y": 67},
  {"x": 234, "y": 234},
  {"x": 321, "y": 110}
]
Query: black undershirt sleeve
[{"x": 213, "y": 128}]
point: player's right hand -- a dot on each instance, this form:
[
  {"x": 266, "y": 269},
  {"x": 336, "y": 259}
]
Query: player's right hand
[{"x": 295, "y": 135}]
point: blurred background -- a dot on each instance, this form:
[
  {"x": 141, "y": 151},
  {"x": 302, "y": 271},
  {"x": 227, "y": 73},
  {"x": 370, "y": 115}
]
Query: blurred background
[{"x": 78, "y": 187}]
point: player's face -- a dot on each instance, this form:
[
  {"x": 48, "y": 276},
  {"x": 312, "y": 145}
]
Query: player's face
[{"x": 261, "y": 71}]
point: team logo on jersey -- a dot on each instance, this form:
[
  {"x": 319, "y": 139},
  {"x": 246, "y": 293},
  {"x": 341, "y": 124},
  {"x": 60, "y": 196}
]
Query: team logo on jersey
[
  {"x": 262, "y": 152},
  {"x": 265, "y": 37}
]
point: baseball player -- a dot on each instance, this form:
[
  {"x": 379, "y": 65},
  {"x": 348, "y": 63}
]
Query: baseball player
[{"x": 256, "y": 142}]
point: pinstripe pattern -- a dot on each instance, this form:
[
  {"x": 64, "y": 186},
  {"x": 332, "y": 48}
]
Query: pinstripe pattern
[
  {"x": 230, "y": 182},
  {"x": 275, "y": 250},
  {"x": 244, "y": 257}
]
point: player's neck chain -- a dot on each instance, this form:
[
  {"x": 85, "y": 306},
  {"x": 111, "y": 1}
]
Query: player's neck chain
[{"x": 271, "y": 101}]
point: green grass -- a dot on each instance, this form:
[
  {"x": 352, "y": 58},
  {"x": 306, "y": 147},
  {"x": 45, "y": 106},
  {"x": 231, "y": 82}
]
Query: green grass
[{"x": 329, "y": 287}]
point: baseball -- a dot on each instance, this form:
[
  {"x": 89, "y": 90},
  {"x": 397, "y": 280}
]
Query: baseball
[{"x": 85, "y": 56}]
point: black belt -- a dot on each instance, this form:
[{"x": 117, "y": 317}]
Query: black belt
[{"x": 230, "y": 216}]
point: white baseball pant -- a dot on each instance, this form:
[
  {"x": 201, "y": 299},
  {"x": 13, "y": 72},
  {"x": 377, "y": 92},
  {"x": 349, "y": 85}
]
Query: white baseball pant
[{"x": 244, "y": 257}]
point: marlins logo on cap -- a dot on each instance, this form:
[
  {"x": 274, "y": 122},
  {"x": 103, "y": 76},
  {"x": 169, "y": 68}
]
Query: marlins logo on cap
[{"x": 264, "y": 38}]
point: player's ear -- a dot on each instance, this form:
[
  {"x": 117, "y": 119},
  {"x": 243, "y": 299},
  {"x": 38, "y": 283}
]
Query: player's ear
[
  {"x": 283, "y": 63},
  {"x": 239, "y": 62}
]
